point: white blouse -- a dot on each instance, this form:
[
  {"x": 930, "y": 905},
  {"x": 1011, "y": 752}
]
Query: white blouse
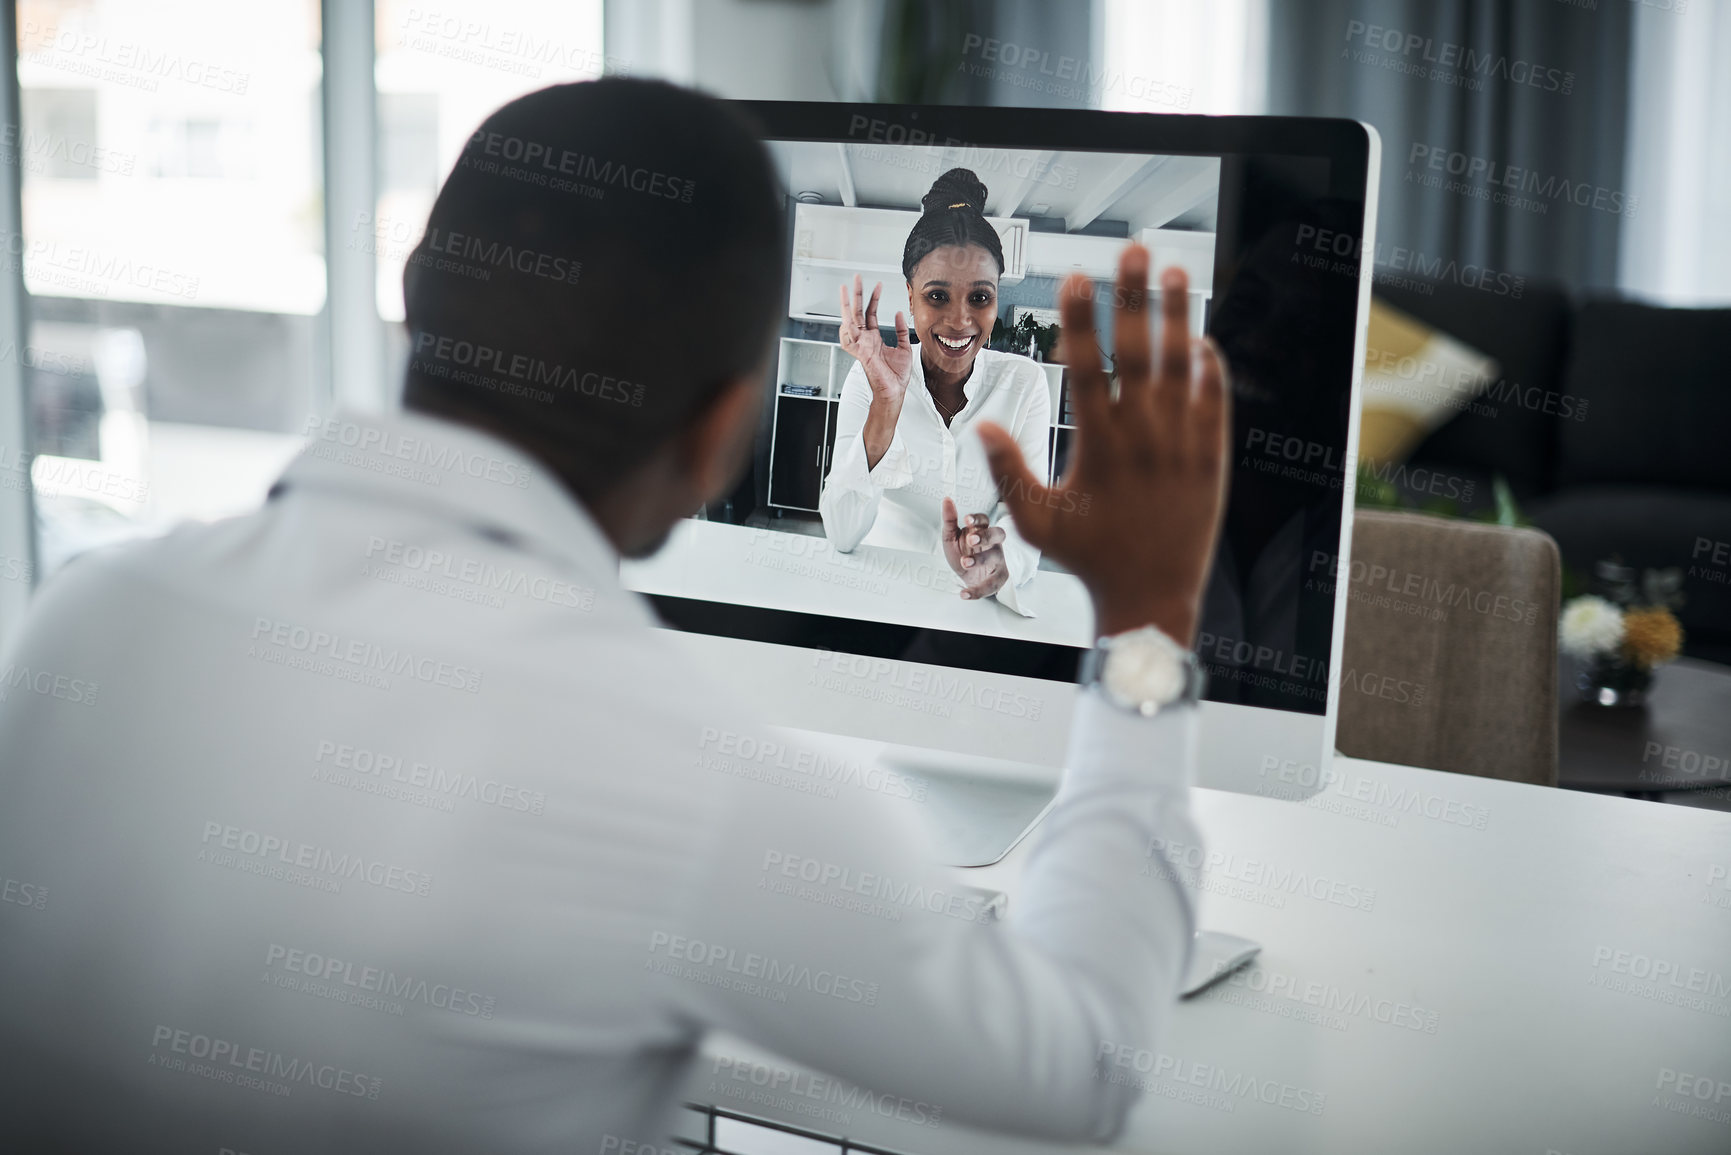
[{"x": 899, "y": 502}]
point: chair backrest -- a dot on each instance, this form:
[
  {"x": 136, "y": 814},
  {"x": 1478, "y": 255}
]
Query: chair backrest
[{"x": 1451, "y": 647}]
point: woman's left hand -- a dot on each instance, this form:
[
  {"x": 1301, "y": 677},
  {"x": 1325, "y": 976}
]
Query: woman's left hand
[{"x": 975, "y": 550}]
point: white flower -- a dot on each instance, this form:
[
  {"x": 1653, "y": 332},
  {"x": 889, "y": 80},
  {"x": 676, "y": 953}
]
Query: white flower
[{"x": 1590, "y": 626}]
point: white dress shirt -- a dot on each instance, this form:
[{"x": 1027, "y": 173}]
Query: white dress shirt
[
  {"x": 899, "y": 501},
  {"x": 381, "y": 819}
]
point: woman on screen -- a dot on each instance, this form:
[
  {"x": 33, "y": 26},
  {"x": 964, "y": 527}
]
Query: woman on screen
[{"x": 908, "y": 473}]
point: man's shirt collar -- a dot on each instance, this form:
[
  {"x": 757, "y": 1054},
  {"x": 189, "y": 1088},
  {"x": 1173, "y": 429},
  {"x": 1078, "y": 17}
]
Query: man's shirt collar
[{"x": 441, "y": 466}]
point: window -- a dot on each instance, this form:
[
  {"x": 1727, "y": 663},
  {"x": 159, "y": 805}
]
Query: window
[
  {"x": 441, "y": 70},
  {"x": 53, "y": 118},
  {"x": 1194, "y": 56},
  {"x": 172, "y": 246}
]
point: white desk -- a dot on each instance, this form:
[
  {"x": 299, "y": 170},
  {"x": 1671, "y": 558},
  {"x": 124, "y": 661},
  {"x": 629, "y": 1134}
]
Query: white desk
[
  {"x": 720, "y": 562},
  {"x": 1505, "y": 938}
]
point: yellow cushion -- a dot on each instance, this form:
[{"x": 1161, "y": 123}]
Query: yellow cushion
[{"x": 1415, "y": 378}]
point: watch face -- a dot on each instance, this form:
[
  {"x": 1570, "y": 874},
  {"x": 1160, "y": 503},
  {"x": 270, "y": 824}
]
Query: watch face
[{"x": 1143, "y": 670}]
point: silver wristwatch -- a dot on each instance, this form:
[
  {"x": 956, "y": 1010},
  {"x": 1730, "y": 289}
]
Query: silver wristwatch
[{"x": 1144, "y": 671}]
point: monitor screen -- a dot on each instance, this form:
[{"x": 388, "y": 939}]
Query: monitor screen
[{"x": 822, "y": 584}]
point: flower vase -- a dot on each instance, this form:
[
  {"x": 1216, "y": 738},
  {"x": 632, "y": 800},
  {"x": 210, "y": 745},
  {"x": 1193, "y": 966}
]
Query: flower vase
[{"x": 1611, "y": 681}]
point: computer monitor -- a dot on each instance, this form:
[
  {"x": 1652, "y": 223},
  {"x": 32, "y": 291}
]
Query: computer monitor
[{"x": 861, "y": 632}]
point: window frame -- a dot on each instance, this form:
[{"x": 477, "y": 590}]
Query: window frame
[{"x": 353, "y": 349}]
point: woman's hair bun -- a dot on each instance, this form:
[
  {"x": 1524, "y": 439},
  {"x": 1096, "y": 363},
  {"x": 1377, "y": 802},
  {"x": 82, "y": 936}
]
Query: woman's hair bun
[{"x": 959, "y": 186}]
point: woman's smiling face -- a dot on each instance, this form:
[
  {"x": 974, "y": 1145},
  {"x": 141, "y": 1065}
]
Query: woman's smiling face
[{"x": 954, "y": 293}]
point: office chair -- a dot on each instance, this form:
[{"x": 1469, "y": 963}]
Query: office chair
[{"x": 1450, "y": 661}]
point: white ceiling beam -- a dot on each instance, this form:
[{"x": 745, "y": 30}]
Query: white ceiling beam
[
  {"x": 1189, "y": 191},
  {"x": 1016, "y": 190},
  {"x": 1124, "y": 176},
  {"x": 844, "y": 176}
]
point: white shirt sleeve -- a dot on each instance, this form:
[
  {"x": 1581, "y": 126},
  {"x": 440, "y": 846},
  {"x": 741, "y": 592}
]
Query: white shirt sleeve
[
  {"x": 849, "y": 504},
  {"x": 816, "y": 932},
  {"x": 1033, "y": 434}
]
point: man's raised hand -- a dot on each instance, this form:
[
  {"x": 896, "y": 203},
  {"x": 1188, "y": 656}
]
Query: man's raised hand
[{"x": 1138, "y": 511}]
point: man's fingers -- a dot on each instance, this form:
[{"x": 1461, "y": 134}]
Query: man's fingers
[
  {"x": 1212, "y": 406},
  {"x": 1079, "y": 350},
  {"x": 1020, "y": 490},
  {"x": 1172, "y": 389},
  {"x": 1130, "y": 339},
  {"x": 949, "y": 520}
]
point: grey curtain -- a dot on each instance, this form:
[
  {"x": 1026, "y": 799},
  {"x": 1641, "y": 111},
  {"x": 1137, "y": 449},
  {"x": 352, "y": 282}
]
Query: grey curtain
[
  {"x": 1026, "y": 53},
  {"x": 1568, "y": 147}
]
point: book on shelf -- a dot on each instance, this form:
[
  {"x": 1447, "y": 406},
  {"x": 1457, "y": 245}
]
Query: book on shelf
[{"x": 802, "y": 390}]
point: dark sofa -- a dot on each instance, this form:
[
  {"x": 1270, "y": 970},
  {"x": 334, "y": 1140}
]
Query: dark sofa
[{"x": 1612, "y": 425}]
